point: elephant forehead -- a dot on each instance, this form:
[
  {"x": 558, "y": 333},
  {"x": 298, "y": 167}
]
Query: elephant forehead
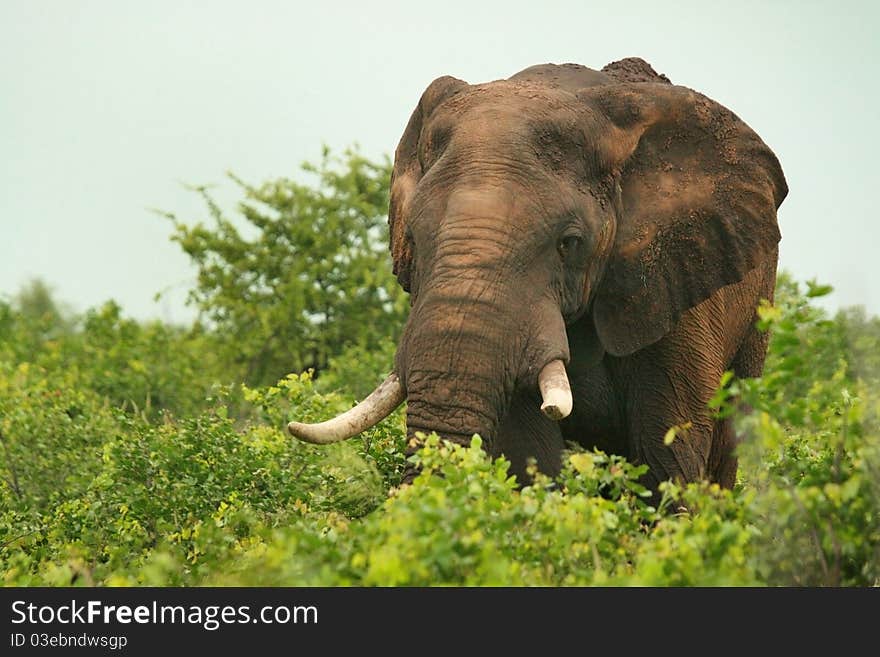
[
  {"x": 524, "y": 122},
  {"x": 503, "y": 103},
  {"x": 482, "y": 201}
]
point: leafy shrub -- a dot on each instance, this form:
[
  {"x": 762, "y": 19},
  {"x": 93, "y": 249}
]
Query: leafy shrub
[
  {"x": 50, "y": 435},
  {"x": 145, "y": 367},
  {"x": 315, "y": 278},
  {"x": 163, "y": 474},
  {"x": 812, "y": 455},
  {"x": 186, "y": 491}
]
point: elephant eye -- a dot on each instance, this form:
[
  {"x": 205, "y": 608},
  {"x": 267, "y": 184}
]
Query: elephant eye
[{"x": 569, "y": 246}]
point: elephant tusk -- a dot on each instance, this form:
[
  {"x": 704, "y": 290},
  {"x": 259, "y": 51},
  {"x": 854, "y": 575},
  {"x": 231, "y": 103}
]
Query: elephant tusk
[
  {"x": 372, "y": 410},
  {"x": 555, "y": 391}
]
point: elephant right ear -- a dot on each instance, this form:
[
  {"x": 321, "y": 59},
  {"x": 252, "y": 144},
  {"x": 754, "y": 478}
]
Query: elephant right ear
[
  {"x": 407, "y": 172},
  {"x": 699, "y": 193}
]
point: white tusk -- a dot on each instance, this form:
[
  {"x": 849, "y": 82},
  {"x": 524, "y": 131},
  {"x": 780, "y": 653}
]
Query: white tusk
[
  {"x": 372, "y": 410},
  {"x": 555, "y": 391}
]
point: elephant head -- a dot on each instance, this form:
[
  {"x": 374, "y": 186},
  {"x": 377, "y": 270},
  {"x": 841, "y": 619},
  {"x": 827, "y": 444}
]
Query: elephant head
[{"x": 560, "y": 197}]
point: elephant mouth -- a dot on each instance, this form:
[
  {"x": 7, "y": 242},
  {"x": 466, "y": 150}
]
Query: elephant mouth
[{"x": 556, "y": 404}]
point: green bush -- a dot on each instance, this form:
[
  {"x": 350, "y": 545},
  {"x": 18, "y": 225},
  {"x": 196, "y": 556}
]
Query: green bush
[
  {"x": 304, "y": 274},
  {"x": 811, "y": 460},
  {"x": 207, "y": 488},
  {"x": 147, "y": 367}
]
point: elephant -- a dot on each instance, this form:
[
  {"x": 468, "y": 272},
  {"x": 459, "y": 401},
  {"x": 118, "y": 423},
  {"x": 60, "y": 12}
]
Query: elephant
[{"x": 585, "y": 252}]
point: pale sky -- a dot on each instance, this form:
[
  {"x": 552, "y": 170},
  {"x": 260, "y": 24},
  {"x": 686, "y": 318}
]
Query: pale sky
[{"x": 109, "y": 107}]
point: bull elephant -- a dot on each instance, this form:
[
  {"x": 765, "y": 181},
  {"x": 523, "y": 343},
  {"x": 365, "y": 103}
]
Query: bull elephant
[{"x": 585, "y": 252}]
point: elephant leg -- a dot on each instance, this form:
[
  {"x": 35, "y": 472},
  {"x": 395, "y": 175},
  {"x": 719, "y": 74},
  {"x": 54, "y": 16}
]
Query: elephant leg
[
  {"x": 705, "y": 449},
  {"x": 747, "y": 362},
  {"x": 594, "y": 422},
  {"x": 669, "y": 384},
  {"x": 666, "y": 390},
  {"x": 525, "y": 433},
  {"x": 723, "y": 462},
  {"x": 685, "y": 460}
]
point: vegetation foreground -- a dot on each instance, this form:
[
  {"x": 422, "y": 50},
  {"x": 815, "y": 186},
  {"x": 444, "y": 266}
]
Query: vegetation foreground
[{"x": 146, "y": 454}]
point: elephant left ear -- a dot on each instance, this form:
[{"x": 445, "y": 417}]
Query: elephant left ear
[{"x": 699, "y": 194}]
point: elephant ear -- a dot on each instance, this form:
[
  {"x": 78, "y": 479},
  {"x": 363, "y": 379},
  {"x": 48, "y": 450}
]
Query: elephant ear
[
  {"x": 407, "y": 172},
  {"x": 699, "y": 193}
]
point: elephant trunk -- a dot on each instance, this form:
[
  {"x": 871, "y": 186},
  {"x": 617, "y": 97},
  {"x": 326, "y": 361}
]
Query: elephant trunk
[
  {"x": 465, "y": 352},
  {"x": 456, "y": 368}
]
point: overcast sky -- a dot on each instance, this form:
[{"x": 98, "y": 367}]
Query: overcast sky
[{"x": 108, "y": 108}]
